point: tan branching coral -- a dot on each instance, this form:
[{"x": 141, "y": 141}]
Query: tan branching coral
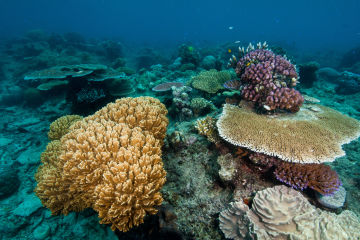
[
  {"x": 110, "y": 161},
  {"x": 315, "y": 134},
  {"x": 207, "y": 127},
  {"x": 61, "y": 126},
  {"x": 283, "y": 213},
  {"x": 211, "y": 81}
]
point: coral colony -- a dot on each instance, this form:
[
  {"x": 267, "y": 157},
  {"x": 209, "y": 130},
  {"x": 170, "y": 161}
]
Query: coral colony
[
  {"x": 188, "y": 148},
  {"x": 268, "y": 80}
]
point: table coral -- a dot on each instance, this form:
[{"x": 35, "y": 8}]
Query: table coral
[
  {"x": 315, "y": 134},
  {"x": 110, "y": 161}
]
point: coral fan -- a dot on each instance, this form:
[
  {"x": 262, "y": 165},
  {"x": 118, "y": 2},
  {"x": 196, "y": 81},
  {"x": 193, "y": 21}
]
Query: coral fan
[
  {"x": 110, "y": 161},
  {"x": 283, "y": 213},
  {"x": 268, "y": 80},
  {"x": 315, "y": 134}
]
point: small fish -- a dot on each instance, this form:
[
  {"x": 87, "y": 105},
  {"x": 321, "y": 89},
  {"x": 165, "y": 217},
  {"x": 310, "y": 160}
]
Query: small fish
[
  {"x": 231, "y": 28},
  {"x": 237, "y": 42},
  {"x": 229, "y": 50},
  {"x": 232, "y": 84}
]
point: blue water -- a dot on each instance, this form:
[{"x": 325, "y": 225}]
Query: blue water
[
  {"x": 307, "y": 24},
  {"x": 112, "y": 49}
]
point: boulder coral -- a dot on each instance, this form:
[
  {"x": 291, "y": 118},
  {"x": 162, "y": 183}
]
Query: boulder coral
[{"x": 109, "y": 161}]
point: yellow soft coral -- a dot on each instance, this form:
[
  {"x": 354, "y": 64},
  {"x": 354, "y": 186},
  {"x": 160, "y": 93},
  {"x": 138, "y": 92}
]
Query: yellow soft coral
[{"x": 110, "y": 161}]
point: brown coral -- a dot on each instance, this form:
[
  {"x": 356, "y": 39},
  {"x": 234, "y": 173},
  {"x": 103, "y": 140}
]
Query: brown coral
[
  {"x": 110, "y": 161},
  {"x": 315, "y": 134},
  {"x": 61, "y": 126}
]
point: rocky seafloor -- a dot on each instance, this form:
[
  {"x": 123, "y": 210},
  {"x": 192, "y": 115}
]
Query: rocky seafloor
[{"x": 194, "y": 193}]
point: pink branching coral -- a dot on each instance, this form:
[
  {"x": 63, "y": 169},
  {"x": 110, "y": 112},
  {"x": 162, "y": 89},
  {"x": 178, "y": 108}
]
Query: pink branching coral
[
  {"x": 318, "y": 177},
  {"x": 269, "y": 80}
]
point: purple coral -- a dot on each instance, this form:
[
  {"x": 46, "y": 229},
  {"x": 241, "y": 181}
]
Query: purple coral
[
  {"x": 318, "y": 177},
  {"x": 268, "y": 80}
]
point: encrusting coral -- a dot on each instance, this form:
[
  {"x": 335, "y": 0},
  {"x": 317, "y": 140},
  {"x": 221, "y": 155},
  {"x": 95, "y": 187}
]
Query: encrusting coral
[
  {"x": 283, "y": 213},
  {"x": 110, "y": 161},
  {"x": 315, "y": 134},
  {"x": 61, "y": 126}
]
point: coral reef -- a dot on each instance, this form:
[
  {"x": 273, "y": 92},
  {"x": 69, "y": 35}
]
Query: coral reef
[
  {"x": 313, "y": 135},
  {"x": 283, "y": 213},
  {"x": 211, "y": 81},
  {"x": 110, "y": 161},
  {"x": 269, "y": 80}
]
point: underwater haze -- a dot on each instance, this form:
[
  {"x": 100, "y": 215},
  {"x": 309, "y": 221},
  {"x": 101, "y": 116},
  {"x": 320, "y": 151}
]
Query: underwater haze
[
  {"x": 179, "y": 120},
  {"x": 307, "y": 24}
]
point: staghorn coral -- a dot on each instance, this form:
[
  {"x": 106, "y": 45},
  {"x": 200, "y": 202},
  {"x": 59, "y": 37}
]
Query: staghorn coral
[
  {"x": 210, "y": 81},
  {"x": 61, "y": 126},
  {"x": 110, "y": 161},
  {"x": 283, "y": 213},
  {"x": 318, "y": 177},
  {"x": 315, "y": 134}
]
